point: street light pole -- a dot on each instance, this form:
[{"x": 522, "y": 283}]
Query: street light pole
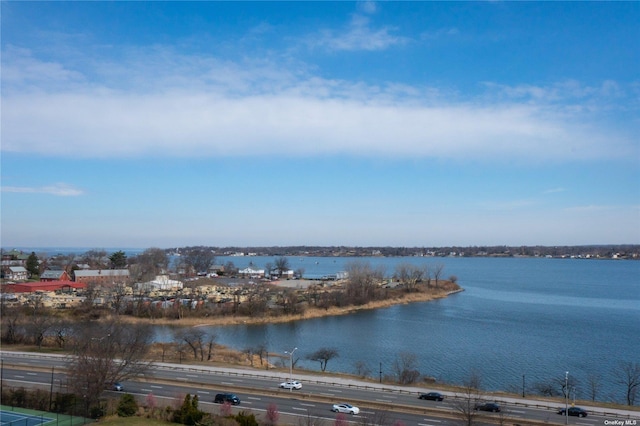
[
  {"x": 291, "y": 366},
  {"x": 566, "y": 398}
]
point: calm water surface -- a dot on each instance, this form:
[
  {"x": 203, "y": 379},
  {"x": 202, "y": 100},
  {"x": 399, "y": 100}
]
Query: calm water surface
[{"x": 517, "y": 316}]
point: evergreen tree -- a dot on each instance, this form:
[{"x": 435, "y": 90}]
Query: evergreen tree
[
  {"x": 33, "y": 264},
  {"x": 118, "y": 260},
  {"x": 127, "y": 406}
]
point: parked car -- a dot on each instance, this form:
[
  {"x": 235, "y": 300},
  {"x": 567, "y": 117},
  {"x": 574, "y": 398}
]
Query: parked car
[
  {"x": 221, "y": 398},
  {"x": 291, "y": 385},
  {"x": 117, "y": 387},
  {"x": 432, "y": 396},
  {"x": 574, "y": 411},
  {"x": 345, "y": 408},
  {"x": 488, "y": 406}
]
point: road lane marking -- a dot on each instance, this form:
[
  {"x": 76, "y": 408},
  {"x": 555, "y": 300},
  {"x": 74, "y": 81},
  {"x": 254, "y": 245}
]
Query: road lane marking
[
  {"x": 299, "y": 409},
  {"x": 156, "y": 386},
  {"x": 254, "y": 397},
  {"x": 204, "y": 392},
  {"x": 383, "y": 400},
  {"x": 515, "y": 411},
  {"x": 433, "y": 420},
  {"x": 192, "y": 375},
  {"x": 226, "y": 383},
  {"x": 307, "y": 405}
]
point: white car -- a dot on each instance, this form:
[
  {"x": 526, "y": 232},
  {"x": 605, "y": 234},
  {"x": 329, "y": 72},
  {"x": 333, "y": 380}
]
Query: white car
[
  {"x": 291, "y": 385},
  {"x": 345, "y": 408}
]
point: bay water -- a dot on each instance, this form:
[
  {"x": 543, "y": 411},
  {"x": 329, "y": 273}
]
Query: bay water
[{"x": 519, "y": 321}]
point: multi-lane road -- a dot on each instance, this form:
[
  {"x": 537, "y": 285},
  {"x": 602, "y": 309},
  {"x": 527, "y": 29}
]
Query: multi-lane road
[{"x": 257, "y": 389}]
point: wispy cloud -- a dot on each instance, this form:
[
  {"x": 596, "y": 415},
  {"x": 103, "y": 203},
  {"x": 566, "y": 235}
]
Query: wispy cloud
[
  {"x": 360, "y": 34},
  {"x": 58, "y": 189}
]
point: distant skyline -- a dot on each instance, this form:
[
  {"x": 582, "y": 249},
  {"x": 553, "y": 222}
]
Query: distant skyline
[{"x": 168, "y": 124}]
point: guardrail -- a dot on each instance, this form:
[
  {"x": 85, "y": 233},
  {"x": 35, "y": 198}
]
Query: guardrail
[{"x": 353, "y": 384}]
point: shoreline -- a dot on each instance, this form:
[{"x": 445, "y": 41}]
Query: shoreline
[{"x": 309, "y": 313}]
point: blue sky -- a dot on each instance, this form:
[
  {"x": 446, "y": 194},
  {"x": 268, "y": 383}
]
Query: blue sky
[{"x": 162, "y": 124}]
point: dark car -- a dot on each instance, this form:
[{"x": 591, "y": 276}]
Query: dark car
[
  {"x": 432, "y": 396},
  {"x": 488, "y": 406},
  {"x": 221, "y": 398},
  {"x": 574, "y": 411}
]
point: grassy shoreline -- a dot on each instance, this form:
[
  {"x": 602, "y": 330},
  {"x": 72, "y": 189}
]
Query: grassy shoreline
[{"x": 309, "y": 313}]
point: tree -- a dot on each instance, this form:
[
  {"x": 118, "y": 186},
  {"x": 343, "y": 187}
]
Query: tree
[
  {"x": 272, "y": 414},
  {"x": 104, "y": 353},
  {"x": 118, "y": 260},
  {"x": 409, "y": 275},
  {"x": 628, "y": 375},
  {"x": 33, "y": 264},
  {"x": 95, "y": 259},
  {"x": 282, "y": 265},
  {"x": 467, "y": 400},
  {"x": 437, "y": 272},
  {"x": 148, "y": 264},
  {"x": 362, "y": 282},
  {"x": 405, "y": 367},
  {"x": 199, "y": 258},
  {"x": 323, "y": 356}
]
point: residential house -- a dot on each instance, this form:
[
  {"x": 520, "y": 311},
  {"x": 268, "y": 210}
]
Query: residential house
[{"x": 55, "y": 275}]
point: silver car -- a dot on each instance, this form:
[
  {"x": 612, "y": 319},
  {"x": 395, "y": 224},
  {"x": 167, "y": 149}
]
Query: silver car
[{"x": 345, "y": 408}]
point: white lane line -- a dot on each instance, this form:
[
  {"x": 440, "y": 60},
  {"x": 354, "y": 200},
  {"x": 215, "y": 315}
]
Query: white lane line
[
  {"x": 253, "y": 397},
  {"x": 384, "y": 400},
  {"x": 191, "y": 375},
  {"x": 307, "y": 405},
  {"x": 226, "y": 383},
  {"x": 299, "y": 409},
  {"x": 156, "y": 386},
  {"x": 434, "y": 420},
  {"x": 204, "y": 392}
]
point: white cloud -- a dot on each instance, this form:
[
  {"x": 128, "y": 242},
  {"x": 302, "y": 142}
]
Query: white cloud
[
  {"x": 204, "y": 107},
  {"x": 58, "y": 189},
  {"x": 359, "y": 35}
]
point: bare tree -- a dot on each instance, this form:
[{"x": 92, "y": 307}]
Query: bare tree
[
  {"x": 362, "y": 282},
  {"x": 282, "y": 265},
  {"x": 409, "y": 275},
  {"x": 594, "y": 383},
  {"x": 467, "y": 400},
  {"x": 405, "y": 368},
  {"x": 362, "y": 369},
  {"x": 437, "y": 272},
  {"x": 199, "y": 258},
  {"x": 104, "y": 353},
  {"x": 194, "y": 338},
  {"x": 323, "y": 356},
  {"x": 96, "y": 259},
  {"x": 148, "y": 264},
  {"x": 628, "y": 375}
]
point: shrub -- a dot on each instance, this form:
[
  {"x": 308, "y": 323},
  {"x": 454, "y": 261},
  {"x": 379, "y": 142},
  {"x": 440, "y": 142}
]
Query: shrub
[{"x": 127, "y": 406}]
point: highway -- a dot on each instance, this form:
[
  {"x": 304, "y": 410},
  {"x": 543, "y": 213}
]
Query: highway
[{"x": 257, "y": 389}]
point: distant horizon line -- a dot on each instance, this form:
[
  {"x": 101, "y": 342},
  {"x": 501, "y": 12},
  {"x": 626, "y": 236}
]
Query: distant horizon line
[{"x": 9, "y": 248}]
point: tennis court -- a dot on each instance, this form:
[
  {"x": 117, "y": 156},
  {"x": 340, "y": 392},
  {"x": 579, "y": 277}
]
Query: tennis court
[{"x": 12, "y": 418}]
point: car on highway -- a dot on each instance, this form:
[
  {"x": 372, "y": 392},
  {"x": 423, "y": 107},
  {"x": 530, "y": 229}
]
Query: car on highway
[
  {"x": 488, "y": 406},
  {"x": 432, "y": 396},
  {"x": 574, "y": 411},
  {"x": 117, "y": 386},
  {"x": 221, "y": 398},
  {"x": 345, "y": 408},
  {"x": 292, "y": 384}
]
